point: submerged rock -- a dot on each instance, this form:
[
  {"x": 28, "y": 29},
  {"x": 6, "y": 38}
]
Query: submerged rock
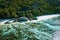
[{"x": 29, "y": 31}]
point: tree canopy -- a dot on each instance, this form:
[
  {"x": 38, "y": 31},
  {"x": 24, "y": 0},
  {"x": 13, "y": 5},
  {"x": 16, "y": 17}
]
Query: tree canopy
[{"x": 28, "y": 8}]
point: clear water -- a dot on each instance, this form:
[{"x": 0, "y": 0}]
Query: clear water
[{"x": 38, "y": 30}]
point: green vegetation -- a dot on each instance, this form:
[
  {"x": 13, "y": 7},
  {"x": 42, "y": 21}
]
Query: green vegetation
[{"x": 28, "y": 8}]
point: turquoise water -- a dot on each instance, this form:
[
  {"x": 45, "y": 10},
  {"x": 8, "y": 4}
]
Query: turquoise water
[{"x": 40, "y": 30}]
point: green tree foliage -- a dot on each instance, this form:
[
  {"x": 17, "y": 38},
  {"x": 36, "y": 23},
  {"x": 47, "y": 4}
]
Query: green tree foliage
[{"x": 28, "y": 8}]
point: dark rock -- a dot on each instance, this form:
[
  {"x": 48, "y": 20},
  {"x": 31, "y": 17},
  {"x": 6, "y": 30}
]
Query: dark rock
[
  {"x": 15, "y": 20},
  {"x": 7, "y": 22},
  {"x": 34, "y": 18},
  {"x": 22, "y": 19}
]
